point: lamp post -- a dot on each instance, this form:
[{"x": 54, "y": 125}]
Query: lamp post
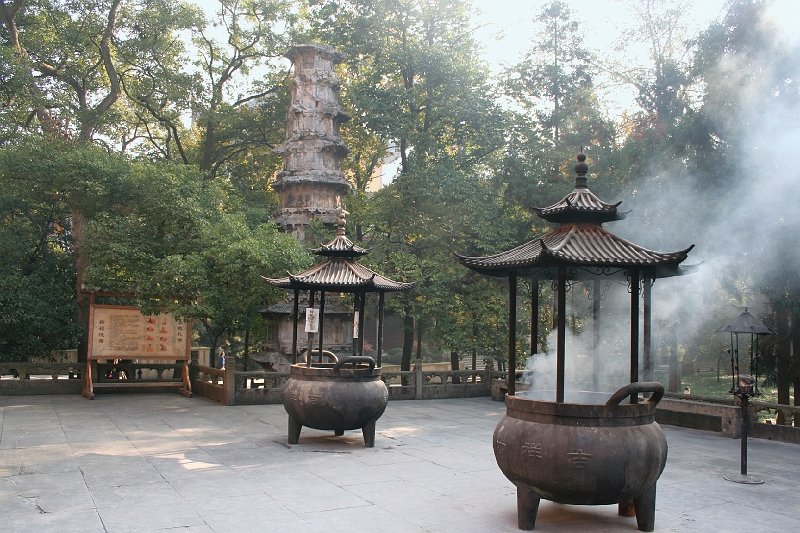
[{"x": 744, "y": 386}]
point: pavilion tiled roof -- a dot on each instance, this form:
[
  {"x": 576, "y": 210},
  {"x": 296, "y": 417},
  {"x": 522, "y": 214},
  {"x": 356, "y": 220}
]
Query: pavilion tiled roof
[
  {"x": 340, "y": 273},
  {"x": 581, "y": 203},
  {"x": 340, "y": 246},
  {"x": 580, "y": 240},
  {"x": 578, "y": 243}
]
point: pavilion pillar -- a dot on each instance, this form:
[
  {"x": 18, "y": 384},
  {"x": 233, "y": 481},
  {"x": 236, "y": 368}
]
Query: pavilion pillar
[
  {"x": 321, "y": 322},
  {"x": 597, "y": 368},
  {"x": 361, "y": 324},
  {"x": 647, "y": 330},
  {"x": 296, "y": 307},
  {"x": 561, "y": 338},
  {"x": 310, "y": 343},
  {"x": 356, "y": 331},
  {"x": 534, "y": 316},
  {"x": 379, "y": 340},
  {"x": 511, "y": 378},
  {"x": 634, "y": 330}
]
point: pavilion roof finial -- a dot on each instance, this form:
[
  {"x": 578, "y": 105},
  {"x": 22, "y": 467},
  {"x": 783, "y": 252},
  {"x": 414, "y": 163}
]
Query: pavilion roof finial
[
  {"x": 581, "y": 169},
  {"x": 342, "y": 222}
]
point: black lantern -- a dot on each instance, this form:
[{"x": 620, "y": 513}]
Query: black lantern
[{"x": 744, "y": 385}]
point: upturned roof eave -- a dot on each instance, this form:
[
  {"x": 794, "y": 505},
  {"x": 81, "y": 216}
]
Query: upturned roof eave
[
  {"x": 567, "y": 210},
  {"x": 373, "y": 283},
  {"x": 548, "y": 257}
]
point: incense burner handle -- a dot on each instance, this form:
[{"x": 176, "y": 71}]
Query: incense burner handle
[
  {"x": 635, "y": 388},
  {"x": 355, "y": 359}
]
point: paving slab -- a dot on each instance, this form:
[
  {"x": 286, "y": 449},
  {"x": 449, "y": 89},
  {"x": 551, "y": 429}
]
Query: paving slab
[{"x": 162, "y": 462}]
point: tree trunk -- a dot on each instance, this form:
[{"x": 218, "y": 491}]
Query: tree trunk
[
  {"x": 674, "y": 370},
  {"x": 797, "y": 400},
  {"x": 89, "y": 125},
  {"x": 474, "y": 364},
  {"x": 783, "y": 362},
  {"x": 78, "y": 231},
  {"x": 454, "y": 366},
  {"x": 408, "y": 343},
  {"x": 208, "y": 146},
  {"x": 795, "y": 366},
  {"x": 247, "y": 346},
  {"x": 215, "y": 337}
]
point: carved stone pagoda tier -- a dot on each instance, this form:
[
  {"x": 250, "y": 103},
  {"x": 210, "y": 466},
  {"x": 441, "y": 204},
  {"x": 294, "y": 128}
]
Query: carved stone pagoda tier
[{"x": 311, "y": 182}]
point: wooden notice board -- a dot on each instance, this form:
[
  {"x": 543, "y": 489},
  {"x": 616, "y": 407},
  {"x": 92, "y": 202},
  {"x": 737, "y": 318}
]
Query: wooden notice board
[{"x": 123, "y": 332}]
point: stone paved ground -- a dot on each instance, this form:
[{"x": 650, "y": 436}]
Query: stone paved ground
[{"x": 168, "y": 463}]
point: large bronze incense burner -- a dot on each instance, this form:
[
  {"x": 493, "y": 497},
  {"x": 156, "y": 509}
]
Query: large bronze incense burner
[
  {"x": 570, "y": 448},
  {"x": 347, "y": 393},
  {"x": 578, "y": 453}
]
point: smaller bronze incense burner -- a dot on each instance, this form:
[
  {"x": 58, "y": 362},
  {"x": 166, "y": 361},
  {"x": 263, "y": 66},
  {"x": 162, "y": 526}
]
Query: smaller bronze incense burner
[
  {"x": 347, "y": 393},
  {"x": 333, "y": 397}
]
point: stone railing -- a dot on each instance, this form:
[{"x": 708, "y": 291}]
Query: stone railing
[
  {"x": 213, "y": 383},
  {"x": 427, "y": 385},
  {"x": 260, "y": 387},
  {"x": 253, "y": 388},
  {"x": 18, "y": 379},
  {"x": 789, "y": 431}
]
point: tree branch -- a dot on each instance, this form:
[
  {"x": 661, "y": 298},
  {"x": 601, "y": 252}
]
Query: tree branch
[{"x": 111, "y": 71}]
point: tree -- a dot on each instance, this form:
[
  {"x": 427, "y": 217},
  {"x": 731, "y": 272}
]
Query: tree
[
  {"x": 239, "y": 93},
  {"x": 37, "y": 286},
  {"x": 115, "y": 74},
  {"x": 752, "y": 77},
  {"x": 669, "y": 139},
  {"x": 74, "y": 181},
  {"x": 180, "y": 244},
  {"x": 557, "y": 112},
  {"x": 66, "y": 64},
  {"x": 417, "y": 83}
]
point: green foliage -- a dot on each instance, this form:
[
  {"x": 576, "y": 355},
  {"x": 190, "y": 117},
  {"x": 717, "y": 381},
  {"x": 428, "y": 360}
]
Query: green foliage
[
  {"x": 187, "y": 226},
  {"x": 37, "y": 285},
  {"x": 556, "y": 113},
  {"x": 414, "y": 80},
  {"x": 180, "y": 243}
]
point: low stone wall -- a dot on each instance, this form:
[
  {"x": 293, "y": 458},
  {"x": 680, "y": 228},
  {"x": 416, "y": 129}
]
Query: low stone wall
[
  {"x": 706, "y": 413},
  {"x": 213, "y": 383},
  {"x": 782, "y": 433},
  {"x": 700, "y": 415},
  {"x": 720, "y": 414},
  {"x": 500, "y": 387},
  {"x": 30, "y": 379},
  {"x": 255, "y": 388}
]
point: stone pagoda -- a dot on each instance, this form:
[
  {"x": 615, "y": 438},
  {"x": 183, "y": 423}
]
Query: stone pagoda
[
  {"x": 311, "y": 182},
  {"x": 311, "y": 185}
]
